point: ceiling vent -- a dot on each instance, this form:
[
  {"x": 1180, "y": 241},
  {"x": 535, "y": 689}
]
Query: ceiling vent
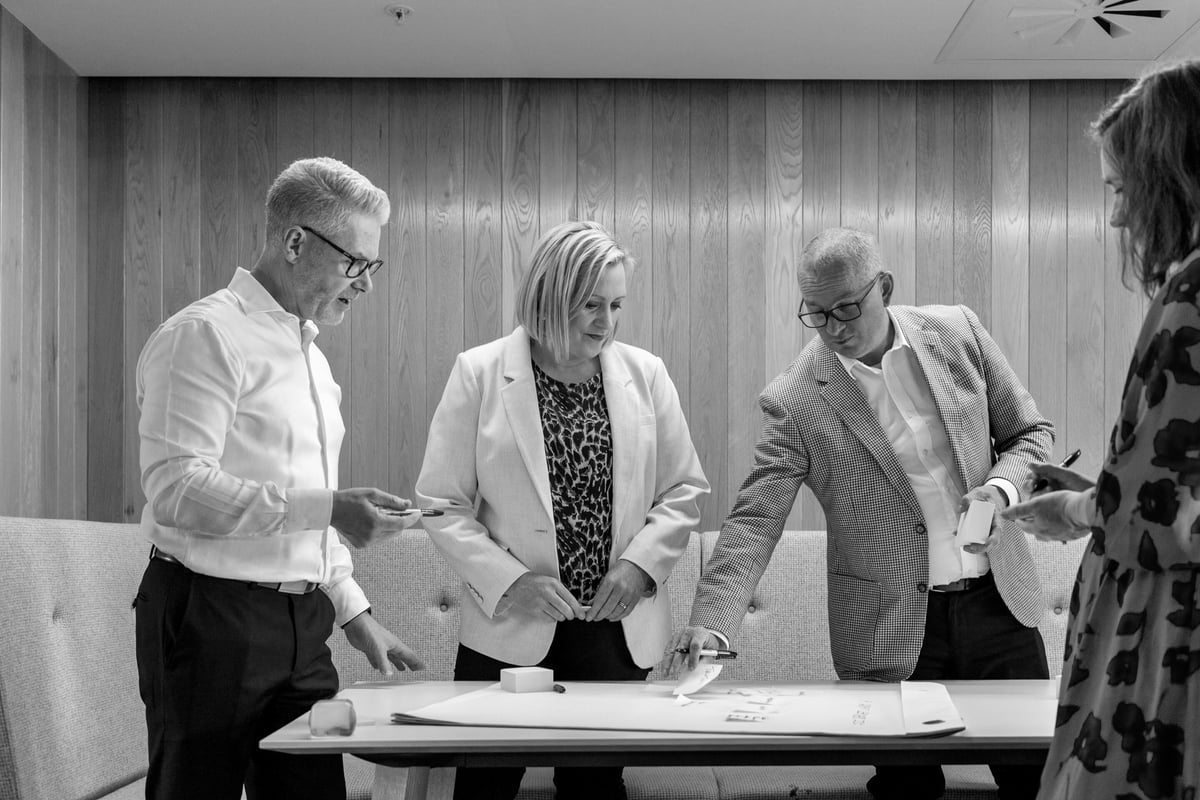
[{"x": 1070, "y": 20}]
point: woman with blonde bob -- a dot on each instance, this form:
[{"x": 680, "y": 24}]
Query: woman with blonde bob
[
  {"x": 1128, "y": 723},
  {"x": 570, "y": 485}
]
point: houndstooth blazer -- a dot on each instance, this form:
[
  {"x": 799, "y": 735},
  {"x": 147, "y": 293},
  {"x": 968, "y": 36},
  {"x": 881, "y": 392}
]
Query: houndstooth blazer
[{"x": 818, "y": 429}]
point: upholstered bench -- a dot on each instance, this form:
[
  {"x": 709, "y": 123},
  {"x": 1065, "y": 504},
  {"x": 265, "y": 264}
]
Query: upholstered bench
[{"x": 71, "y": 721}]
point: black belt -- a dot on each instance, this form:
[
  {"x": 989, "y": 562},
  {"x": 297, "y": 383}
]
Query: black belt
[
  {"x": 964, "y": 584},
  {"x": 287, "y": 587}
]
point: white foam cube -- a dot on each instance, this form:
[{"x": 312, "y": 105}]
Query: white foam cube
[
  {"x": 976, "y": 523},
  {"x": 527, "y": 679}
]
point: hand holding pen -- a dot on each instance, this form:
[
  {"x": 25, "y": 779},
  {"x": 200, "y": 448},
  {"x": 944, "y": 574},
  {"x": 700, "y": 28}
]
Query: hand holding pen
[{"x": 1048, "y": 477}]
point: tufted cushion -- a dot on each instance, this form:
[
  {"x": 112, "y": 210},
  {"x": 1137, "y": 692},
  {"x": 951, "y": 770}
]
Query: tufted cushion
[{"x": 71, "y": 721}]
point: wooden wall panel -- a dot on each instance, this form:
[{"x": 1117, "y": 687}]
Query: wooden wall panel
[
  {"x": 43, "y": 283},
  {"x": 980, "y": 192}
]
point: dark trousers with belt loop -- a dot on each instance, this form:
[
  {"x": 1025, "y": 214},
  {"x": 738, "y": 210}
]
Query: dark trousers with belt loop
[
  {"x": 221, "y": 664},
  {"x": 969, "y": 635}
]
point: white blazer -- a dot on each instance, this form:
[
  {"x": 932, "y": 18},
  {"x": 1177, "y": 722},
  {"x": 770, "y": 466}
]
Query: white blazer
[{"x": 485, "y": 466}]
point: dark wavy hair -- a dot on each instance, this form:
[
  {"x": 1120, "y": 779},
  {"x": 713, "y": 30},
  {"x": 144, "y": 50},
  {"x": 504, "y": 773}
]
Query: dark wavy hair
[{"x": 1152, "y": 135}]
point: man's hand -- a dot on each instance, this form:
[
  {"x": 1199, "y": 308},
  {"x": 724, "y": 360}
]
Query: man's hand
[
  {"x": 1053, "y": 516},
  {"x": 380, "y": 645},
  {"x": 692, "y": 639},
  {"x": 540, "y": 596},
  {"x": 619, "y": 591},
  {"x": 990, "y": 494},
  {"x": 367, "y": 516}
]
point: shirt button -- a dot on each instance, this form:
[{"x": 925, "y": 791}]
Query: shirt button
[
  {"x": 751, "y": 609},
  {"x": 444, "y": 607},
  {"x": 922, "y": 587},
  {"x": 920, "y": 529},
  {"x": 1058, "y": 609}
]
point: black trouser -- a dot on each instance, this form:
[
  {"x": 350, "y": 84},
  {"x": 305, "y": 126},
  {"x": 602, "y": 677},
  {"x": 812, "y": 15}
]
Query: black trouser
[
  {"x": 221, "y": 664},
  {"x": 581, "y": 651},
  {"x": 969, "y": 635}
]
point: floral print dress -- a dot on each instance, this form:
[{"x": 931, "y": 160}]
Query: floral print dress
[{"x": 1128, "y": 723}]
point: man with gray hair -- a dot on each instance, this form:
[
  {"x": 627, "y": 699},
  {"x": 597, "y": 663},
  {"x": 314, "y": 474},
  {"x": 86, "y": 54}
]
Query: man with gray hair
[
  {"x": 240, "y": 434},
  {"x": 897, "y": 418}
]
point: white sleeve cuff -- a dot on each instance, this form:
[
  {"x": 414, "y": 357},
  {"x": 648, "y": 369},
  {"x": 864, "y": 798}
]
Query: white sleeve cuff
[{"x": 1007, "y": 488}]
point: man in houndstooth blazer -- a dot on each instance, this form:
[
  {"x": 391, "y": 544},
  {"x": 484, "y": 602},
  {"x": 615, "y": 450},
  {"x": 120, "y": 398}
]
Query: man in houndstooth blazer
[{"x": 895, "y": 418}]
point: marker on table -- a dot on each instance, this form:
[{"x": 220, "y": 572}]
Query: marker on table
[
  {"x": 1043, "y": 483},
  {"x": 709, "y": 653}
]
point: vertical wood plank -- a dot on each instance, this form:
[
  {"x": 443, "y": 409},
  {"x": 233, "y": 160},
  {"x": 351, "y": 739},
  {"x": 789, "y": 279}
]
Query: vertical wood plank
[
  {"x": 784, "y": 228},
  {"x": 143, "y": 257},
  {"x": 295, "y": 122},
  {"x": 445, "y": 201},
  {"x": 482, "y": 238},
  {"x": 860, "y": 155},
  {"x": 413, "y": 397},
  {"x": 973, "y": 197},
  {"x": 1048, "y": 134},
  {"x": 81, "y": 276},
  {"x": 219, "y": 103},
  {"x": 1010, "y": 223},
  {"x": 181, "y": 194},
  {"x": 106, "y": 306},
  {"x": 32, "y": 367},
  {"x": 633, "y": 188},
  {"x": 671, "y": 234},
  {"x": 898, "y": 186},
  {"x": 1085, "y": 293},
  {"x": 333, "y": 136},
  {"x": 70, "y": 498},
  {"x": 368, "y": 321},
  {"x": 709, "y": 331},
  {"x": 256, "y": 142},
  {"x": 747, "y": 292},
  {"x": 935, "y": 192},
  {"x": 12, "y": 161},
  {"x": 597, "y": 134},
  {"x": 558, "y": 158},
  {"x": 51, "y": 493},
  {"x": 520, "y": 184},
  {"x": 822, "y": 141}
]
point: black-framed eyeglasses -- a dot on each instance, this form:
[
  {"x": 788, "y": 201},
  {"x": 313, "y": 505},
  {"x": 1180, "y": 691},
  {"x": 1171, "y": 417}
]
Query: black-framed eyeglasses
[
  {"x": 357, "y": 266},
  {"x": 843, "y": 312}
]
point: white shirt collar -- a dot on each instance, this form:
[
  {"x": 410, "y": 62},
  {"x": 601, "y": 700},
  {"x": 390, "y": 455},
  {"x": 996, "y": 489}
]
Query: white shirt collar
[{"x": 899, "y": 341}]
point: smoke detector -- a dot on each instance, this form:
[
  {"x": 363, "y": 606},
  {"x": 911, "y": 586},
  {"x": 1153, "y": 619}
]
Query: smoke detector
[{"x": 399, "y": 13}]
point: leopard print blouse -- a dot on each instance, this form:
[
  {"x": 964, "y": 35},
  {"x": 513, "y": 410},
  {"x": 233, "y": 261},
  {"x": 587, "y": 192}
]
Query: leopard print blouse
[{"x": 578, "y": 440}]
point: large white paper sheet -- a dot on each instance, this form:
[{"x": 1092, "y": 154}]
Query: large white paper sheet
[{"x": 835, "y": 709}]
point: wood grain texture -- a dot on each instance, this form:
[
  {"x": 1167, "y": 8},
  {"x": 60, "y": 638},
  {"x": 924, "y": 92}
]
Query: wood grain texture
[
  {"x": 12, "y": 162},
  {"x": 181, "y": 196},
  {"x": 368, "y": 321},
  {"x": 256, "y": 144},
  {"x": 784, "y": 226},
  {"x": 597, "y": 134},
  {"x": 747, "y": 273},
  {"x": 1048, "y": 138},
  {"x": 557, "y": 153},
  {"x": 412, "y": 396},
  {"x": 898, "y": 186},
  {"x": 1086, "y": 224},
  {"x": 1010, "y": 223},
  {"x": 30, "y": 298},
  {"x": 671, "y": 233},
  {"x": 935, "y": 192},
  {"x": 107, "y": 435},
  {"x": 708, "y": 333},
  {"x": 48, "y": 490},
  {"x": 520, "y": 185},
  {"x": 973, "y": 197},
  {"x": 482, "y": 214},
  {"x": 633, "y": 181},
  {"x": 860, "y": 155},
  {"x": 143, "y": 257}
]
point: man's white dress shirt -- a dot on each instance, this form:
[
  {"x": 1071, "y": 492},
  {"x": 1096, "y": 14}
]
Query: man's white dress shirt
[
  {"x": 240, "y": 434},
  {"x": 899, "y": 394}
]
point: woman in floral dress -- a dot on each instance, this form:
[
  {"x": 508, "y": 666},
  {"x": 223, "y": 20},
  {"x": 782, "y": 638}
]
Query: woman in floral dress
[{"x": 1128, "y": 723}]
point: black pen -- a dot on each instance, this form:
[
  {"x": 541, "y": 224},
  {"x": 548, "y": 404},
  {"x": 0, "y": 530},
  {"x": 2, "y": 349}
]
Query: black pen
[
  {"x": 709, "y": 653},
  {"x": 1042, "y": 483}
]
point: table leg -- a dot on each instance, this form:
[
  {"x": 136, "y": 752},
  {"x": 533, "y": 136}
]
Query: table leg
[{"x": 413, "y": 783}]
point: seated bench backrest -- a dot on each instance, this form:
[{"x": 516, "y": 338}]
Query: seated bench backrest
[{"x": 71, "y": 721}]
